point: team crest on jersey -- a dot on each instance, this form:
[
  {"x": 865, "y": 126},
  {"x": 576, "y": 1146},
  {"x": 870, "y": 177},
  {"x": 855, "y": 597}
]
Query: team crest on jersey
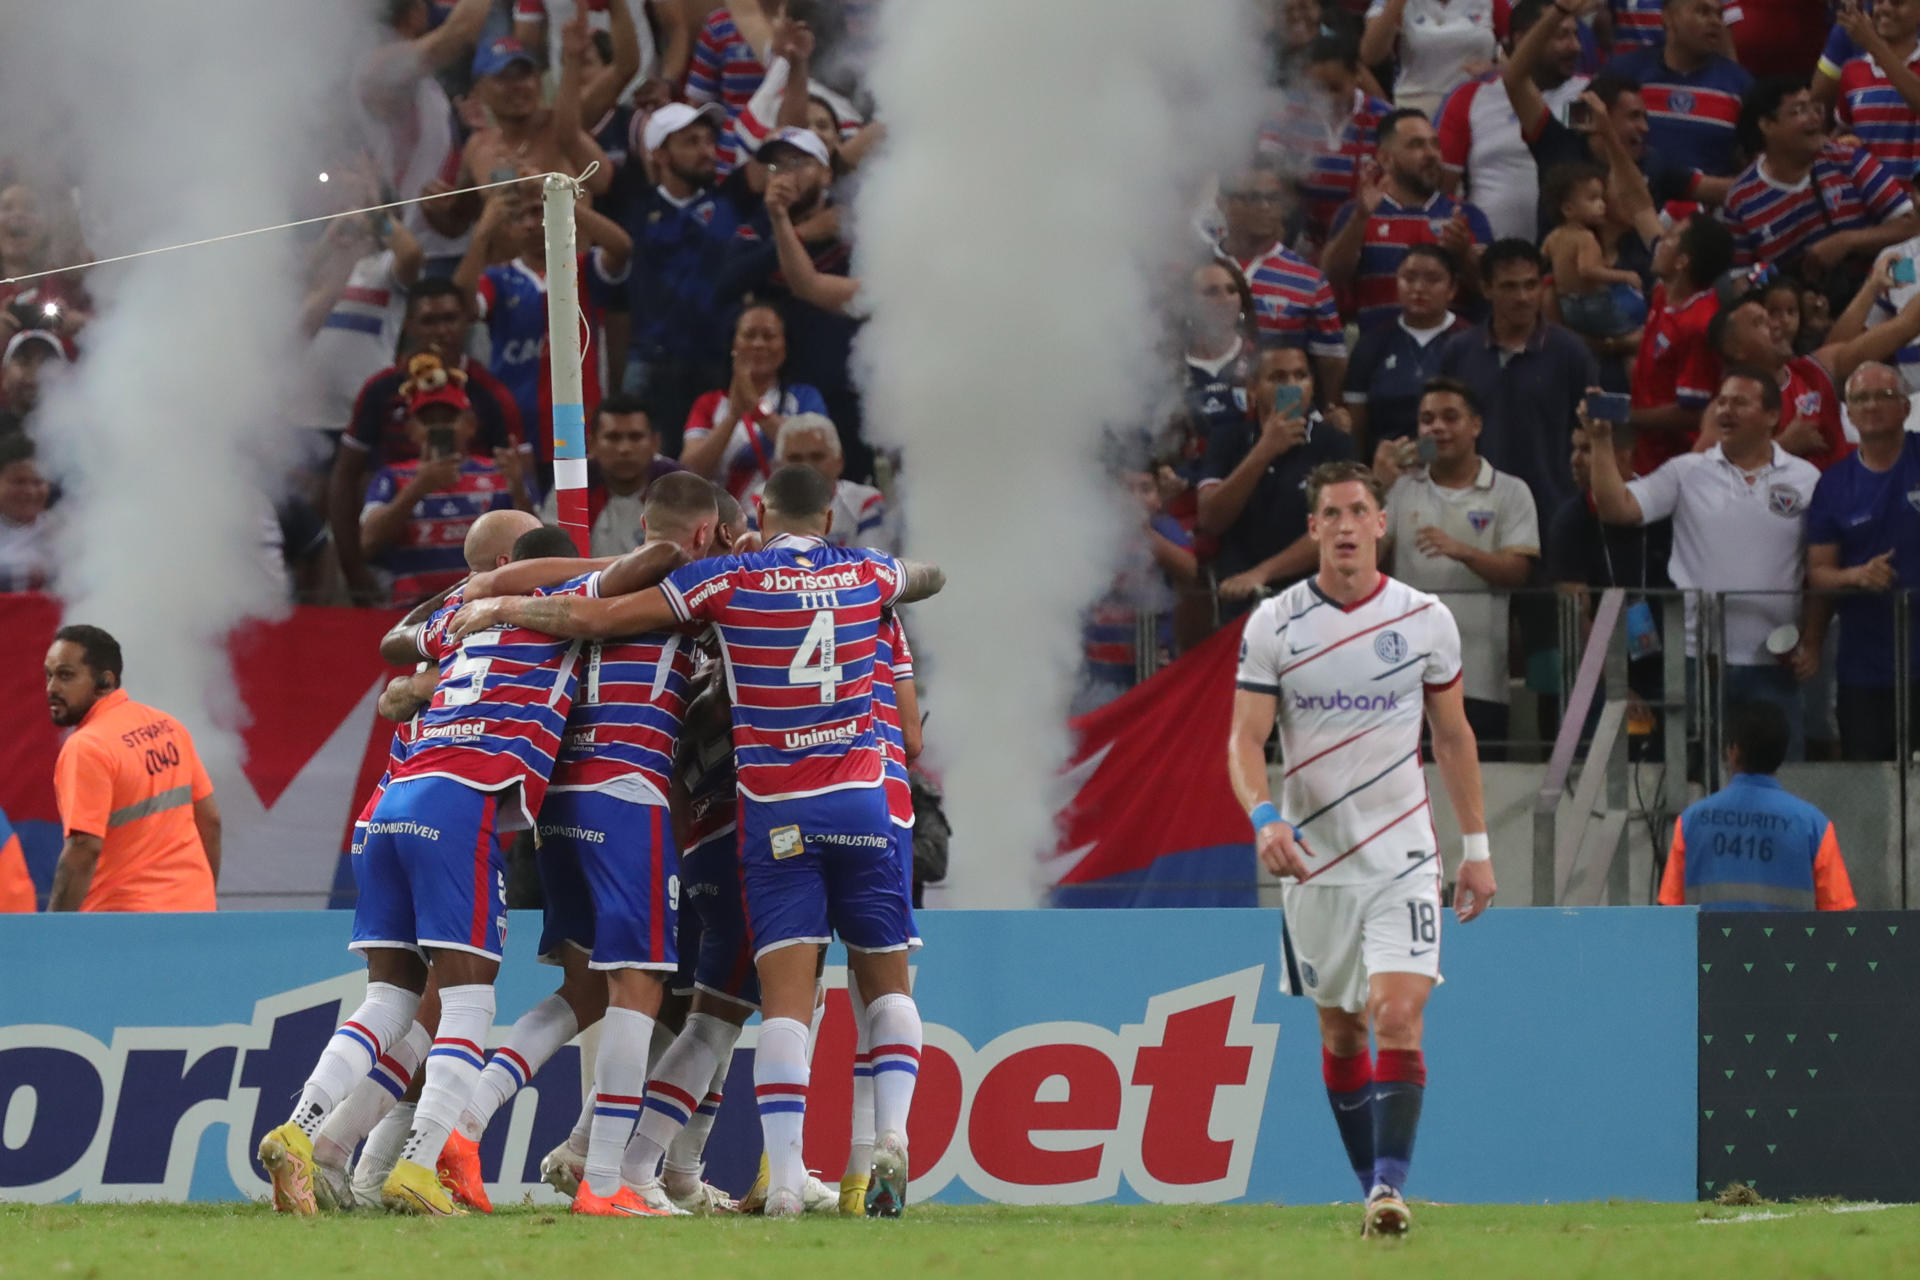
[
  {"x": 1438, "y": 226},
  {"x": 1661, "y": 342},
  {"x": 1913, "y": 499},
  {"x": 1784, "y": 500},
  {"x": 1807, "y": 404},
  {"x": 1240, "y": 399},
  {"x": 1680, "y": 102},
  {"x": 1390, "y": 646},
  {"x": 785, "y": 841},
  {"x": 1480, "y": 520}
]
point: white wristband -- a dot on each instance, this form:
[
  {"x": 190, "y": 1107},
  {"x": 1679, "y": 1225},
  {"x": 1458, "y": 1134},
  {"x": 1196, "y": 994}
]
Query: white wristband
[{"x": 1474, "y": 847}]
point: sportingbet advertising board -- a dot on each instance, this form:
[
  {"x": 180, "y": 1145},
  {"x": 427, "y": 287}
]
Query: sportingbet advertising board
[{"x": 1071, "y": 1057}]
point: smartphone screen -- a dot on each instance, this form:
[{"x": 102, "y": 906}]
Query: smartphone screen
[
  {"x": 1286, "y": 399},
  {"x": 1903, "y": 271},
  {"x": 439, "y": 442},
  {"x": 1608, "y": 406}
]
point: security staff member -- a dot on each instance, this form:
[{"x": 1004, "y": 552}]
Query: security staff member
[
  {"x": 142, "y": 829},
  {"x": 1753, "y": 847}
]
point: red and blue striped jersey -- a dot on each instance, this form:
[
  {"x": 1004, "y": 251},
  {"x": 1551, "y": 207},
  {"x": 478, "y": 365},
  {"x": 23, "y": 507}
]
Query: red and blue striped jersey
[
  {"x": 1691, "y": 118},
  {"x": 497, "y": 717},
  {"x": 1847, "y": 190},
  {"x": 1300, "y": 138},
  {"x": 428, "y": 556},
  {"x": 626, "y": 717},
  {"x": 1637, "y": 25},
  {"x": 1872, "y": 110},
  {"x": 726, "y": 70},
  {"x": 892, "y": 663},
  {"x": 1374, "y": 294},
  {"x": 405, "y": 734},
  {"x": 1293, "y": 303},
  {"x": 798, "y": 624}
]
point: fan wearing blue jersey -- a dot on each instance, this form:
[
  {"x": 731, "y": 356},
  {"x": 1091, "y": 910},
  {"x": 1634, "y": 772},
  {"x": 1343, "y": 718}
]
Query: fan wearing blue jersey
[
  {"x": 798, "y": 624},
  {"x": 607, "y": 859},
  {"x": 432, "y": 888},
  {"x": 1350, "y": 663}
]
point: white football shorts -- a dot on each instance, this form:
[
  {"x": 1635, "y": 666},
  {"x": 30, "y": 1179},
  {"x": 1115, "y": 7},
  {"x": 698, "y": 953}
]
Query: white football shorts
[{"x": 1334, "y": 937}]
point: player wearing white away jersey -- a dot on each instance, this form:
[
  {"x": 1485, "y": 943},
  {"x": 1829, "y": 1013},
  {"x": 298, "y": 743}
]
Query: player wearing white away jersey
[{"x": 1350, "y": 662}]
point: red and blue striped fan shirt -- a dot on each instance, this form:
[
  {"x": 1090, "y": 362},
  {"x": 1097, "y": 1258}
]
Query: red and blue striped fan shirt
[
  {"x": 1293, "y": 303},
  {"x": 1847, "y": 190},
  {"x": 1374, "y": 294},
  {"x": 1637, "y": 25},
  {"x": 1300, "y": 138},
  {"x": 428, "y": 556},
  {"x": 1691, "y": 117},
  {"x": 1872, "y": 110},
  {"x": 799, "y": 625},
  {"x": 497, "y": 717},
  {"x": 625, "y": 722},
  {"x": 892, "y": 663},
  {"x": 724, "y": 69}
]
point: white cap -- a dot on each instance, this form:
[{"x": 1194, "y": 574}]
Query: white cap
[
  {"x": 802, "y": 140},
  {"x": 675, "y": 116}
]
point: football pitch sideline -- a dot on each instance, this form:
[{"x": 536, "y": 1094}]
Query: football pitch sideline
[{"x": 1697, "y": 1242}]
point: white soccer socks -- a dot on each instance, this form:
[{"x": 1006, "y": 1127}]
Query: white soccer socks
[
  {"x": 677, "y": 1091},
  {"x": 453, "y": 1068},
  {"x": 620, "y": 1077},
  {"x": 780, "y": 1076},
  {"x": 894, "y": 1023},
  {"x": 381, "y": 1020},
  {"x": 860, "y": 1148},
  {"x": 535, "y": 1038},
  {"x": 372, "y": 1098}
]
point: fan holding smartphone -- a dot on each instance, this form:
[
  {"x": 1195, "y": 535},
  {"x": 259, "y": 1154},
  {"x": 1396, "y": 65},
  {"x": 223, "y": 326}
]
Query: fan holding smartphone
[
  {"x": 418, "y": 512},
  {"x": 1250, "y": 491}
]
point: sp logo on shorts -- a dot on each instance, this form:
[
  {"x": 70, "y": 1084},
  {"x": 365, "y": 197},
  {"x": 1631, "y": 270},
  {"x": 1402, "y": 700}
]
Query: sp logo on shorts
[
  {"x": 786, "y": 841},
  {"x": 1306, "y": 972}
]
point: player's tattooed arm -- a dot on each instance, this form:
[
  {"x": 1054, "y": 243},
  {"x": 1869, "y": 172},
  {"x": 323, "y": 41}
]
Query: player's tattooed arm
[
  {"x": 571, "y": 617},
  {"x": 923, "y": 580},
  {"x": 643, "y": 567},
  {"x": 401, "y": 644},
  {"x": 526, "y": 576},
  {"x": 405, "y": 695}
]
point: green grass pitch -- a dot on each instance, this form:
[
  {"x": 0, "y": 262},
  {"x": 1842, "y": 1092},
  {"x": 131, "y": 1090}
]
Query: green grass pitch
[{"x": 1697, "y": 1242}]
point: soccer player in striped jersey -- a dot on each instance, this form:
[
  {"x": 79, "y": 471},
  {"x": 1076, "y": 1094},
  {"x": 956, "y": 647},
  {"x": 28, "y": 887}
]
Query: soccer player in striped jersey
[
  {"x": 798, "y": 624},
  {"x": 432, "y": 888},
  {"x": 896, "y": 708},
  {"x": 380, "y": 1108},
  {"x": 1351, "y": 662},
  {"x": 607, "y": 859}
]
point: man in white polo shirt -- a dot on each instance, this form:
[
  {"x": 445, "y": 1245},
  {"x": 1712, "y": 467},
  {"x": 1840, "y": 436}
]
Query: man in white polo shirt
[
  {"x": 1739, "y": 526},
  {"x": 1469, "y": 534}
]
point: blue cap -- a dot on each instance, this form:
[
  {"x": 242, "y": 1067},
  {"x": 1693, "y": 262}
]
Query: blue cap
[{"x": 495, "y": 56}]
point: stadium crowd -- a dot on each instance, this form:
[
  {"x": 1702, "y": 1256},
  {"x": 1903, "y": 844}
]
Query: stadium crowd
[{"x": 1457, "y": 220}]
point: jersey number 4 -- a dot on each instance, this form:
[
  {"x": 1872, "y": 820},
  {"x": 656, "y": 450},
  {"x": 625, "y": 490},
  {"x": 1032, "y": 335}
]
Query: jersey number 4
[{"x": 813, "y": 663}]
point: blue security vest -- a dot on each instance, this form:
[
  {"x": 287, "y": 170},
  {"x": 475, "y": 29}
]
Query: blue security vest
[{"x": 1750, "y": 846}]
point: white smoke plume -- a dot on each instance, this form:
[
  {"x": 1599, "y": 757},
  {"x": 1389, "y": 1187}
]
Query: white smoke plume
[
  {"x": 1041, "y": 166},
  {"x": 174, "y": 123}
]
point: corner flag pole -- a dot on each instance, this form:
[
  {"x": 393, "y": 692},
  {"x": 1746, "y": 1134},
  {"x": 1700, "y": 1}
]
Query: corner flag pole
[{"x": 563, "y": 346}]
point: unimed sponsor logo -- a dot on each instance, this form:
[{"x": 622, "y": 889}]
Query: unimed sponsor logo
[
  {"x": 1341, "y": 700},
  {"x": 458, "y": 729},
  {"x": 800, "y": 739}
]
